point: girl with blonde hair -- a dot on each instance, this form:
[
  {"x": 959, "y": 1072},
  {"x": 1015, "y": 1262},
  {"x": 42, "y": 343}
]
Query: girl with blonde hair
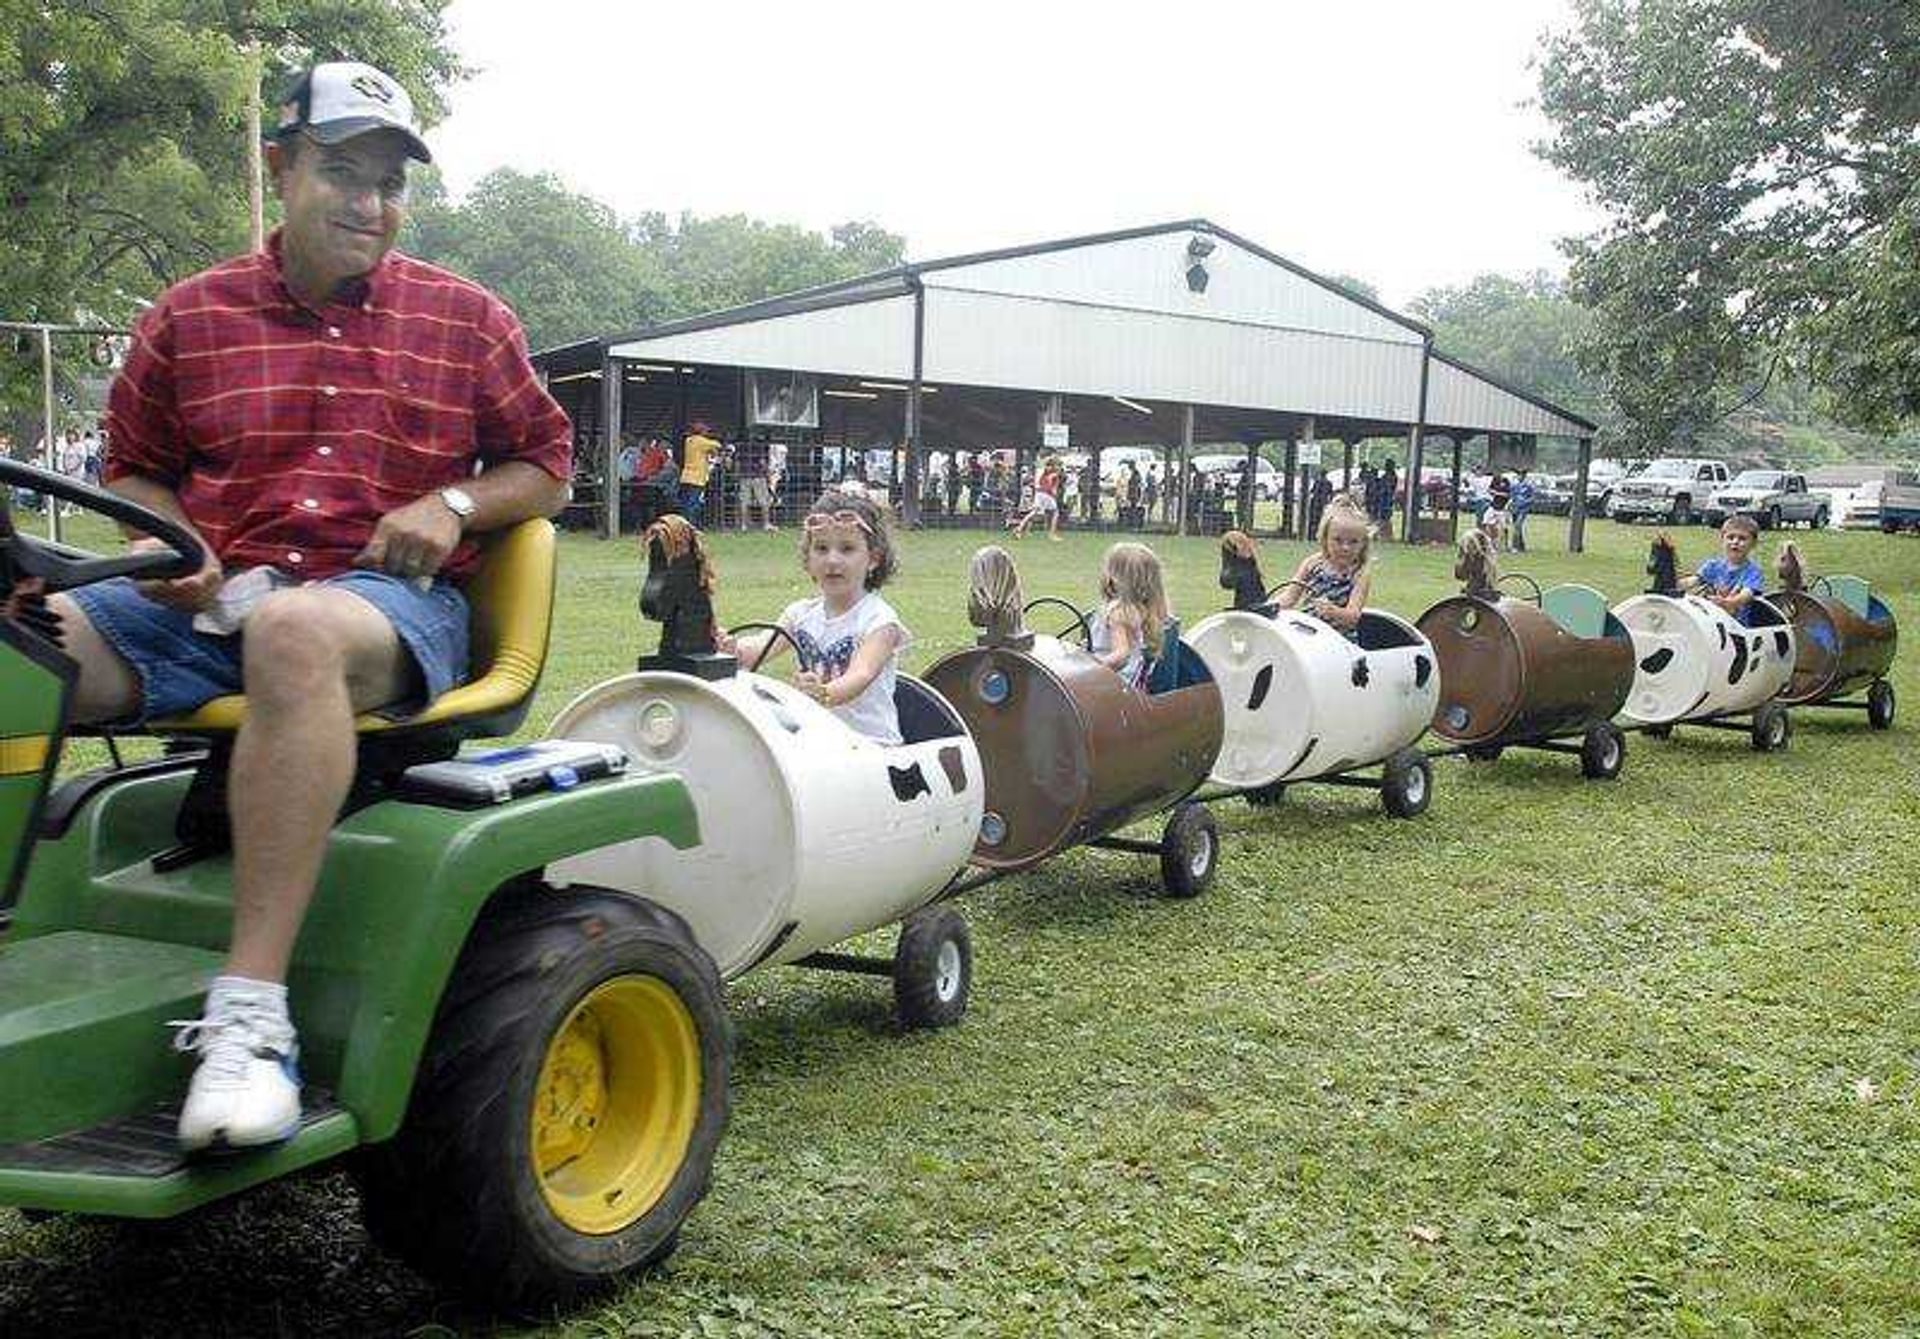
[
  {"x": 1128, "y": 628},
  {"x": 1333, "y": 584}
]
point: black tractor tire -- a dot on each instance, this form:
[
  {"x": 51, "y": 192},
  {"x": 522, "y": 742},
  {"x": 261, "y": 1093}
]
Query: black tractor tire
[
  {"x": 1681, "y": 513},
  {"x": 1189, "y": 851},
  {"x": 1880, "y": 705},
  {"x": 584, "y": 1029},
  {"x": 932, "y": 968},
  {"x": 1603, "y": 752},
  {"x": 1771, "y": 521},
  {"x": 1406, "y": 784},
  {"x": 1772, "y": 728},
  {"x": 1820, "y": 518},
  {"x": 1265, "y": 797}
]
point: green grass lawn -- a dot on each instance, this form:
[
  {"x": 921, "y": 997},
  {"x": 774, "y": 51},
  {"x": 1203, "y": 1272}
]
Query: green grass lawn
[{"x": 1556, "y": 1058}]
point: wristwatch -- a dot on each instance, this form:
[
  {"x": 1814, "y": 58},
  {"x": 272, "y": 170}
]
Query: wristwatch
[{"x": 460, "y": 502}]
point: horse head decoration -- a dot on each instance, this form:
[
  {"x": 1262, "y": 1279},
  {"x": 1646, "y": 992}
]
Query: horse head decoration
[
  {"x": 1663, "y": 565},
  {"x": 1475, "y": 566},
  {"x": 678, "y": 591},
  {"x": 1240, "y": 571},
  {"x": 994, "y": 599},
  {"x": 1791, "y": 567}
]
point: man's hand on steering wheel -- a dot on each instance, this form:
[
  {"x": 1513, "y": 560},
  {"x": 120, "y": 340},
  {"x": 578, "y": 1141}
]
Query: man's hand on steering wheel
[
  {"x": 414, "y": 540},
  {"x": 190, "y": 593}
]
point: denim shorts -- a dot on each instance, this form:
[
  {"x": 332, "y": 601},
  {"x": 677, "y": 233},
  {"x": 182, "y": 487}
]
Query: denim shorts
[{"x": 180, "y": 667}]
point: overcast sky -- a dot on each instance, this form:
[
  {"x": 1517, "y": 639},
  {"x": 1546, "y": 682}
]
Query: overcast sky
[{"x": 1385, "y": 139}]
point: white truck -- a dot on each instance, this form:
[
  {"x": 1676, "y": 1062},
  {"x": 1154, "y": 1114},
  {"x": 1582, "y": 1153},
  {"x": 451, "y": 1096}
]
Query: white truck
[
  {"x": 1772, "y": 497},
  {"x": 1673, "y": 489}
]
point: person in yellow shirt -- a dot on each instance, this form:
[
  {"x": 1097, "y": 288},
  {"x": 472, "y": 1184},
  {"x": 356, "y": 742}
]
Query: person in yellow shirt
[{"x": 696, "y": 466}]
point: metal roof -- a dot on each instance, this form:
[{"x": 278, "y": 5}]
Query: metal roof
[{"x": 1108, "y": 314}]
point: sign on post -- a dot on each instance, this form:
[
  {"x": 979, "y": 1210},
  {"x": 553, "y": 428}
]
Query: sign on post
[
  {"x": 1054, "y": 436},
  {"x": 1307, "y": 453}
]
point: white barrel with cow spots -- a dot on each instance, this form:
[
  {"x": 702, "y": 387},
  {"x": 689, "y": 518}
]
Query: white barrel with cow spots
[
  {"x": 1693, "y": 659},
  {"x": 1302, "y": 700},
  {"x": 809, "y": 831}
]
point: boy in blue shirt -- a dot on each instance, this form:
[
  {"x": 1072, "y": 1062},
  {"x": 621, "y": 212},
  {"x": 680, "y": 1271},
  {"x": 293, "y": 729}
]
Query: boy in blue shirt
[{"x": 1733, "y": 579}]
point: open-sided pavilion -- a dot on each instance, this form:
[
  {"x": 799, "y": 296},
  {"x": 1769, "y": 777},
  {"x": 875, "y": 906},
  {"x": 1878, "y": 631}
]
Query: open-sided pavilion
[{"x": 1170, "y": 335}]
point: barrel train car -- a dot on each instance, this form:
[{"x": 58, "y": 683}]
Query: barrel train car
[
  {"x": 1547, "y": 673},
  {"x": 1072, "y": 753},
  {"x": 1305, "y": 702},
  {"x": 1696, "y": 663},
  {"x": 1845, "y": 637}
]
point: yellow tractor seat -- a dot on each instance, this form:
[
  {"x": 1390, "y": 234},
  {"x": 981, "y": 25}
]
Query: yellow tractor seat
[{"x": 510, "y": 600}]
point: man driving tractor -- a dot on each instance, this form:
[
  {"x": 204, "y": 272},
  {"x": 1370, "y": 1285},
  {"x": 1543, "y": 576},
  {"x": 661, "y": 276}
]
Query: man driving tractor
[{"x": 335, "y": 421}]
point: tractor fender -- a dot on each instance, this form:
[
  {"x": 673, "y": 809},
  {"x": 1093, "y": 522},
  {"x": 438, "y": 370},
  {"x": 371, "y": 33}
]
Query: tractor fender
[{"x": 401, "y": 889}]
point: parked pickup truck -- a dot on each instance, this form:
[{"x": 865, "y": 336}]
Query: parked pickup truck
[
  {"x": 1772, "y": 497},
  {"x": 1673, "y": 488},
  {"x": 1900, "y": 503}
]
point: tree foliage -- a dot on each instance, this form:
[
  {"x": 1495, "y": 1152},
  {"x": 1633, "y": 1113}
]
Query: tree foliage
[
  {"x": 1525, "y": 331},
  {"x": 123, "y": 154},
  {"x": 1759, "y": 159},
  {"x": 572, "y": 269}
]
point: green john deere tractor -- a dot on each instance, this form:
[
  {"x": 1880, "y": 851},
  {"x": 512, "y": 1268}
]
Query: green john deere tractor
[{"x": 528, "y": 1084}]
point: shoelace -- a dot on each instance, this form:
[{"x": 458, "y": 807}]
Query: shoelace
[{"x": 228, "y": 1039}]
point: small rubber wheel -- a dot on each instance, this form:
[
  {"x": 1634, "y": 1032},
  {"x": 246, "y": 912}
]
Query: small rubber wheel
[
  {"x": 1406, "y": 783},
  {"x": 932, "y": 968},
  {"x": 1771, "y": 728},
  {"x": 1189, "y": 851},
  {"x": 1483, "y": 752},
  {"x": 1265, "y": 797},
  {"x": 566, "y": 1111},
  {"x": 1657, "y": 731},
  {"x": 1880, "y": 705},
  {"x": 1603, "y": 752}
]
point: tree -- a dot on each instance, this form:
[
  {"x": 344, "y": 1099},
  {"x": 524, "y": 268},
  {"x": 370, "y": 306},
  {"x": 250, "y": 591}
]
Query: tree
[
  {"x": 122, "y": 153},
  {"x": 1525, "y": 331},
  {"x": 1759, "y": 159},
  {"x": 563, "y": 261},
  {"x": 572, "y": 269}
]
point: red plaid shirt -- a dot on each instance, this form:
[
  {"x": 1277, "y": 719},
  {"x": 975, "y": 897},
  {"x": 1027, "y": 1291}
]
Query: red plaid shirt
[{"x": 288, "y": 432}]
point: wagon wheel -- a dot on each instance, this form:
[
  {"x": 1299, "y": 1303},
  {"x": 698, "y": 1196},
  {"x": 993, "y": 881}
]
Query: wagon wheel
[
  {"x": 932, "y": 968},
  {"x": 1406, "y": 783},
  {"x": 767, "y": 650},
  {"x": 1189, "y": 850},
  {"x": 1603, "y": 752},
  {"x": 1079, "y": 617},
  {"x": 1880, "y": 703},
  {"x": 1771, "y": 727},
  {"x": 567, "y": 1109},
  {"x": 1538, "y": 598}
]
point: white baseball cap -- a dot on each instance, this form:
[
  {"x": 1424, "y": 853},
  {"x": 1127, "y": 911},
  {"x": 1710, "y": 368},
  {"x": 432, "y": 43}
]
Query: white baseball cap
[{"x": 337, "y": 100}]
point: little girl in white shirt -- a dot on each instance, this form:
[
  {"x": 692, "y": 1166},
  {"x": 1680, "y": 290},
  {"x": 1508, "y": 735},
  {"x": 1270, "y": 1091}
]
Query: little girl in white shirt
[{"x": 849, "y": 637}]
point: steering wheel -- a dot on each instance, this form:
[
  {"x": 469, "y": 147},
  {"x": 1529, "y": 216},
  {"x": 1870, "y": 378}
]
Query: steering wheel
[
  {"x": 1079, "y": 617},
  {"x": 62, "y": 567},
  {"x": 1290, "y": 581},
  {"x": 1539, "y": 599},
  {"x": 767, "y": 650},
  {"x": 1818, "y": 582}
]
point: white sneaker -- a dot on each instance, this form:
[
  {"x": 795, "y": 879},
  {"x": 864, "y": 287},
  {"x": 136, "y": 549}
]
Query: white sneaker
[{"x": 246, "y": 1092}]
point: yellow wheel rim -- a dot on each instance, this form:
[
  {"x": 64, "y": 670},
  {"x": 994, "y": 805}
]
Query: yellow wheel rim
[{"x": 616, "y": 1104}]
